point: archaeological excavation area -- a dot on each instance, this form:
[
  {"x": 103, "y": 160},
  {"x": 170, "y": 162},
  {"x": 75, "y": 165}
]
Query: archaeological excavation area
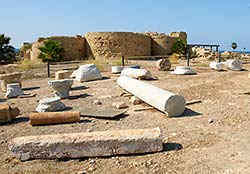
[{"x": 149, "y": 115}]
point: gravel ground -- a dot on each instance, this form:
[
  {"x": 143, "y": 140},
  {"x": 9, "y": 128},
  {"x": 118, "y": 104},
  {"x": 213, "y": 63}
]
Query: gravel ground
[{"x": 211, "y": 137}]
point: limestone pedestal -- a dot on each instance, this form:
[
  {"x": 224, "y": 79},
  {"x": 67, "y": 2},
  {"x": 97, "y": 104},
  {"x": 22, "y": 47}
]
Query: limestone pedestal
[
  {"x": 10, "y": 78},
  {"x": 61, "y": 87},
  {"x": 13, "y": 90},
  {"x": 183, "y": 70},
  {"x": 50, "y": 105},
  {"x": 62, "y": 75}
]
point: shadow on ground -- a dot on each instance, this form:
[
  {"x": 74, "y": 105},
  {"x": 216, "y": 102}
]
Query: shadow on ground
[
  {"x": 77, "y": 88},
  {"x": 31, "y": 88},
  {"x": 73, "y": 97},
  {"x": 190, "y": 113},
  {"x": 171, "y": 146}
]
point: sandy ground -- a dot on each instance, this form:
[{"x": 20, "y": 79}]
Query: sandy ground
[{"x": 210, "y": 137}]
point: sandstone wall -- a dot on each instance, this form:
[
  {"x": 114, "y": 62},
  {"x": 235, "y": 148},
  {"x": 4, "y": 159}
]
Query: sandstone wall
[
  {"x": 74, "y": 47},
  {"x": 162, "y": 43},
  {"x": 116, "y": 44}
]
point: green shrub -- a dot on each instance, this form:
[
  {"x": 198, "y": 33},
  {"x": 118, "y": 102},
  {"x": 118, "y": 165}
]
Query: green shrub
[{"x": 180, "y": 47}]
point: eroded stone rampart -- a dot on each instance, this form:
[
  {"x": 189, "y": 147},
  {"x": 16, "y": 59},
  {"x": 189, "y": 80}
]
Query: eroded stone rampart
[{"x": 112, "y": 45}]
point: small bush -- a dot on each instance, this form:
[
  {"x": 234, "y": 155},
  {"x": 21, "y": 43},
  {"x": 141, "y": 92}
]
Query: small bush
[{"x": 180, "y": 47}]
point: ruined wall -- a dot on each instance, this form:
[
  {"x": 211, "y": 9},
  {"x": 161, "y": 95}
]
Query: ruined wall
[
  {"x": 74, "y": 47},
  {"x": 113, "y": 44},
  {"x": 162, "y": 43},
  {"x": 116, "y": 44}
]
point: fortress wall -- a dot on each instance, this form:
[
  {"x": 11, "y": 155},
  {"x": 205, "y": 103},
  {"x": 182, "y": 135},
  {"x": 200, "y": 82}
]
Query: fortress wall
[
  {"x": 110, "y": 45},
  {"x": 115, "y": 44},
  {"x": 162, "y": 43},
  {"x": 74, "y": 47}
]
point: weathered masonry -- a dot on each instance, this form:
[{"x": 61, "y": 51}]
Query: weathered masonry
[{"x": 112, "y": 45}]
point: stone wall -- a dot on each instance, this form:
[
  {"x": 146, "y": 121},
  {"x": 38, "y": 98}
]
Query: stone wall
[
  {"x": 115, "y": 44},
  {"x": 162, "y": 43},
  {"x": 110, "y": 45},
  {"x": 74, "y": 47}
]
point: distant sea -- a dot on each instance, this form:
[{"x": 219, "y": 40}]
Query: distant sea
[
  {"x": 245, "y": 52},
  {"x": 17, "y": 50}
]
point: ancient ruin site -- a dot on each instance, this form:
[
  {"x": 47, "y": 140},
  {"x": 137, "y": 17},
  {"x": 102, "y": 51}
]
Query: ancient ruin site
[{"x": 127, "y": 103}]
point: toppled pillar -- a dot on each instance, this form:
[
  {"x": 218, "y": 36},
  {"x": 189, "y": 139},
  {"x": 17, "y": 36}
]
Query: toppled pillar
[
  {"x": 90, "y": 144},
  {"x": 8, "y": 113},
  {"x": 50, "y": 105},
  {"x": 137, "y": 73},
  {"x": 235, "y": 65},
  {"x": 44, "y": 118},
  {"x": 13, "y": 90},
  {"x": 61, "y": 87},
  {"x": 167, "y": 102},
  {"x": 215, "y": 65}
]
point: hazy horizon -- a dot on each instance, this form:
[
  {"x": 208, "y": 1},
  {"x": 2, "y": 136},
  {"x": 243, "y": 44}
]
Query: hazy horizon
[{"x": 209, "y": 22}]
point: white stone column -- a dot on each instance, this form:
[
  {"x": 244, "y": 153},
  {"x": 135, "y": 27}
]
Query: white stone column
[{"x": 167, "y": 102}]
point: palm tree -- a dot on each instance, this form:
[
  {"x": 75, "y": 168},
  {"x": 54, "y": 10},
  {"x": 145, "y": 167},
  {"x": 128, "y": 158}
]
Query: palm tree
[
  {"x": 51, "y": 51},
  {"x": 7, "y": 52},
  {"x": 234, "y": 45}
]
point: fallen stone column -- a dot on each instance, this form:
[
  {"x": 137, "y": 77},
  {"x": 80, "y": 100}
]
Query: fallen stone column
[
  {"x": 163, "y": 65},
  {"x": 235, "y": 65},
  {"x": 137, "y": 73},
  {"x": 43, "y": 118},
  {"x": 90, "y": 144},
  {"x": 215, "y": 65},
  {"x": 167, "y": 102}
]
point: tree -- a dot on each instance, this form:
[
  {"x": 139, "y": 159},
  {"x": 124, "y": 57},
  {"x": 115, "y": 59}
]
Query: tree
[
  {"x": 234, "y": 45},
  {"x": 7, "y": 52},
  {"x": 51, "y": 51},
  {"x": 180, "y": 47}
]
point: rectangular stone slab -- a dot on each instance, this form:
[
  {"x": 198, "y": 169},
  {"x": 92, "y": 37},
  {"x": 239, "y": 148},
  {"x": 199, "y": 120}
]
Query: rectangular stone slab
[
  {"x": 101, "y": 112},
  {"x": 90, "y": 144}
]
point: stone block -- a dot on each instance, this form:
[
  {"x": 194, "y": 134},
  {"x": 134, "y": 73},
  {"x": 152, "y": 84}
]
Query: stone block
[
  {"x": 8, "y": 113},
  {"x": 87, "y": 72},
  {"x": 10, "y": 78},
  {"x": 62, "y": 75},
  {"x": 89, "y": 144}
]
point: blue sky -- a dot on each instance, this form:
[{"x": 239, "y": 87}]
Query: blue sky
[{"x": 205, "y": 21}]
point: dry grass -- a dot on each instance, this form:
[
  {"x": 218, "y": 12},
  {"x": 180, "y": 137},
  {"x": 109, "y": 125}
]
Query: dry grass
[{"x": 30, "y": 64}]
